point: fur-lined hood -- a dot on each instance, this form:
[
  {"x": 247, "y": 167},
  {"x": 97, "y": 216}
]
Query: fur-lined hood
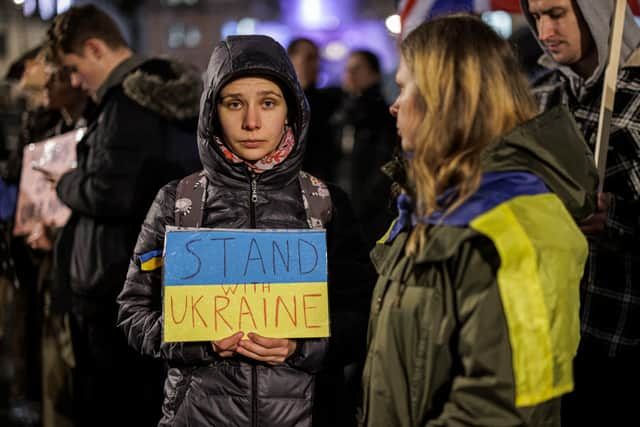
[{"x": 166, "y": 87}]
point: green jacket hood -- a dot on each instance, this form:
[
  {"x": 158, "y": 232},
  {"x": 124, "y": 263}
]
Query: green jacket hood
[
  {"x": 549, "y": 146},
  {"x": 552, "y": 147}
]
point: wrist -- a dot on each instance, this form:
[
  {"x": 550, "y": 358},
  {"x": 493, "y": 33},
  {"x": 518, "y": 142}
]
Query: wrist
[{"x": 297, "y": 349}]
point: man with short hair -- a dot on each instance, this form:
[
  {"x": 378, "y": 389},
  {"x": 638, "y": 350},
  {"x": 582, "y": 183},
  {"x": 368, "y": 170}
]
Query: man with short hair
[
  {"x": 575, "y": 37},
  {"x": 143, "y": 137},
  {"x": 321, "y": 155},
  {"x": 361, "y": 72},
  {"x": 305, "y": 57}
]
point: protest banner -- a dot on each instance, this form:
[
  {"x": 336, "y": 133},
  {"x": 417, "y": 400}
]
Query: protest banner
[
  {"x": 37, "y": 199},
  {"x": 218, "y": 282}
]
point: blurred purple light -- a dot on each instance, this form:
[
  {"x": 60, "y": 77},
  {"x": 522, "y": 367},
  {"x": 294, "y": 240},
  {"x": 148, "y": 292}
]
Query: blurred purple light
[
  {"x": 29, "y": 7},
  {"x": 308, "y": 18},
  {"x": 316, "y": 14},
  {"x": 47, "y": 9},
  {"x": 278, "y": 31},
  {"x": 228, "y": 29},
  {"x": 64, "y": 5}
]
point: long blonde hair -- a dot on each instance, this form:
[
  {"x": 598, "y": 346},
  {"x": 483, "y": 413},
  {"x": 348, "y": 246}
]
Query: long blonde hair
[{"x": 473, "y": 91}]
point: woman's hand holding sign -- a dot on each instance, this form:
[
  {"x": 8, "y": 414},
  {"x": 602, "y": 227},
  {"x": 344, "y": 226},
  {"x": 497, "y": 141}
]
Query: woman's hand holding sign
[
  {"x": 226, "y": 347},
  {"x": 270, "y": 350}
]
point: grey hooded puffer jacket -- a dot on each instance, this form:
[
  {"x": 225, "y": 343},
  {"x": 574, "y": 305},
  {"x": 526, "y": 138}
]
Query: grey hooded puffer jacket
[{"x": 201, "y": 388}]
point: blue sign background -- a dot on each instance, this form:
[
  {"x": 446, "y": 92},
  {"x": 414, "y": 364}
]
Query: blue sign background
[{"x": 206, "y": 257}]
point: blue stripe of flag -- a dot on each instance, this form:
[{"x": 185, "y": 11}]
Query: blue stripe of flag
[
  {"x": 442, "y": 7},
  {"x": 149, "y": 255}
]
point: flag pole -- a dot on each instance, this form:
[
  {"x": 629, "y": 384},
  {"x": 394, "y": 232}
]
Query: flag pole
[{"x": 609, "y": 91}]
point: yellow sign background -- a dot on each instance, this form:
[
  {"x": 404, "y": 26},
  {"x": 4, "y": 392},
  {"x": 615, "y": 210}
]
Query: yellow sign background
[{"x": 212, "y": 312}]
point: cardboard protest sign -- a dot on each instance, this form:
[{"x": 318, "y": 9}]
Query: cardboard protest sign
[
  {"x": 37, "y": 199},
  {"x": 218, "y": 282}
]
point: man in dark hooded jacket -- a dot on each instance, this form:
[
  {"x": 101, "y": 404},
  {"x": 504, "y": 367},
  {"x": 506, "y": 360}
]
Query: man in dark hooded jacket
[
  {"x": 143, "y": 137},
  {"x": 574, "y": 35}
]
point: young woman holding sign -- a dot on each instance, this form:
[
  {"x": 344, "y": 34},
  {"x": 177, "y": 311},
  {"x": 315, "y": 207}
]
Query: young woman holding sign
[
  {"x": 252, "y": 129},
  {"x": 474, "y": 318}
]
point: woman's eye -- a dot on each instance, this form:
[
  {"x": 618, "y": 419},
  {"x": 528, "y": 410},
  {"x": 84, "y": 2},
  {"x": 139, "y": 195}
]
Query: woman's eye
[
  {"x": 269, "y": 103},
  {"x": 234, "y": 105}
]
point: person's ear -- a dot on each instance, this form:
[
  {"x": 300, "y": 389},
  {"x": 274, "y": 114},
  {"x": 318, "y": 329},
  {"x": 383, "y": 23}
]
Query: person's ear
[{"x": 93, "y": 48}]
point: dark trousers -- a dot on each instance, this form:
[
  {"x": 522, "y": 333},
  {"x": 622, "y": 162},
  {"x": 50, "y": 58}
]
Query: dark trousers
[
  {"x": 112, "y": 385},
  {"x": 336, "y": 396},
  {"x": 606, "y": 390}
]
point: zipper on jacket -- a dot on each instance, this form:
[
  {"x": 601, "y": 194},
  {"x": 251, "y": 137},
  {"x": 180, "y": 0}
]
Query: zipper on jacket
[
  {"x": 254, "y": 373},
  {"x": 253, "y": 199}
]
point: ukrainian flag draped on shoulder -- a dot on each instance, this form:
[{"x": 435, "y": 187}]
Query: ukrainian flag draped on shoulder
[{"x": 538, "y": 243}]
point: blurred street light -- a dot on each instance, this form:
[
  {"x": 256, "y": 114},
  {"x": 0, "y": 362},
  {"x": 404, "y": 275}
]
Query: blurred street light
[
  {"x": 335, "y": 51},
  {"x": 393, "y": 24}
]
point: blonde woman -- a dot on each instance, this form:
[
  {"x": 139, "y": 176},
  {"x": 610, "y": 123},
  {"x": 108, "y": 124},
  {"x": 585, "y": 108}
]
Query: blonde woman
[{"x": 474, "y": 318}]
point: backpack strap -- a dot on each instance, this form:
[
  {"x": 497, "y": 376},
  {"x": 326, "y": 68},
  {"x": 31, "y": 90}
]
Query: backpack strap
[
  {"x": 190, "y": 196},
  {"x": 316, "y": 199}
]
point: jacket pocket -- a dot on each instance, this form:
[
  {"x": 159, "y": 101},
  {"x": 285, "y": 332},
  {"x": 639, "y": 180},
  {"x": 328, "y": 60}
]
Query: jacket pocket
[
  {"x": 176, "y": 386},
  {"x": 99, "y": 258},
  {"x": 384, "y": 256}
]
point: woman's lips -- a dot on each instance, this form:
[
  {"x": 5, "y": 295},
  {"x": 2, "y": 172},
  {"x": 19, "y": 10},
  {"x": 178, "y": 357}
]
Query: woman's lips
[{"x": 252, "y": 143}]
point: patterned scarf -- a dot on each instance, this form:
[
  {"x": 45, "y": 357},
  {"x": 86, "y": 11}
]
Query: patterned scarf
[{"x": 269, "y": 161}]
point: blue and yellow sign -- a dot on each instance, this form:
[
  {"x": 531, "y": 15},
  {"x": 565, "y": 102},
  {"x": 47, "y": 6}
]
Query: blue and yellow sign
[{"x": 218, "y": 282}]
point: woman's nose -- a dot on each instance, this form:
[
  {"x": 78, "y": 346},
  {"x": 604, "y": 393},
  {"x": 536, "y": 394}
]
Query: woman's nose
[
  {"x": 393, "y": 109},
  {"x": 252, "y": 118}
]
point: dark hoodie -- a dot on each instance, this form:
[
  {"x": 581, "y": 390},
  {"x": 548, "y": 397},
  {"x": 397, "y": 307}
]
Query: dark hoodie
[{"x": 201, "y": 387}]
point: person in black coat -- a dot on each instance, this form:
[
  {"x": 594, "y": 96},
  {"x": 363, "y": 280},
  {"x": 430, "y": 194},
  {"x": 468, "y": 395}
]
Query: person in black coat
[
  {"x": 252, "y": 134},
  {"x": 366, "y": 134},
  {"x": 143, "y": 137},
  {"x": 322, "y": 153}
]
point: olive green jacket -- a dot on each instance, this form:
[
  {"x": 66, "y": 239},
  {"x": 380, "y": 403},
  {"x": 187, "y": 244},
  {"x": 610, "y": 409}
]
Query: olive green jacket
[{"x": 480, "y": 328}]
